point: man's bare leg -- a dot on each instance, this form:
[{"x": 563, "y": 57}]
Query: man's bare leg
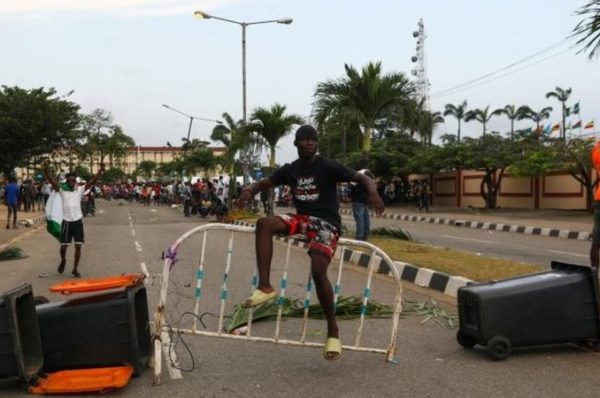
[
  {"x": 77, "y": 257},
  {"x": 324, "y": 290},
  {"x": 63, "y": 259},
  {"x": 265, "y": 229}
]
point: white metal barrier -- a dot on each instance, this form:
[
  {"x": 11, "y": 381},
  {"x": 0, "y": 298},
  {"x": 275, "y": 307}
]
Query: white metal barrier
[{"x": 160, "y": 326}]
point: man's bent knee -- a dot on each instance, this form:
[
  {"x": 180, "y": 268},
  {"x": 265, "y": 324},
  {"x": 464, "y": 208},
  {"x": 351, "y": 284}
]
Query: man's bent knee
[{"x": 271, "y": 225}]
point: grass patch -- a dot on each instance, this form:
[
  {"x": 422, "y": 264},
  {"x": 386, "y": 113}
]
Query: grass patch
[{"x": 453, "y": 262}]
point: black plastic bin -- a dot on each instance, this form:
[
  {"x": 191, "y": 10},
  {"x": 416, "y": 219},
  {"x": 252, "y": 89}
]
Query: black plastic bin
[
  {"x": 20, "y": 344},
  {"x": 96, "y": 331},
  {"x": 558, "y": 306}
]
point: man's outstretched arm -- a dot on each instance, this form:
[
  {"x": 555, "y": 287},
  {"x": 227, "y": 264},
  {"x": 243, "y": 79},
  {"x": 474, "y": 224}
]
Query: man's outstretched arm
[{"x": 251, "y": 190}]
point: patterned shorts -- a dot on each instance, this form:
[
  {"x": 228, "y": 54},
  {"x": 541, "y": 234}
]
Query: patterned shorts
[{"x": 322, "y": 236}]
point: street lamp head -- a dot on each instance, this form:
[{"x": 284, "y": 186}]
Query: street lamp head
[
  {"x": 166, "y": 106},
  {"x": 286, "y": 21},
  {"x": 201, "y": 15}
]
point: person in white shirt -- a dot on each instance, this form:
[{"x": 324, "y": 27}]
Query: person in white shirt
[{"x": 72, "y": 225}]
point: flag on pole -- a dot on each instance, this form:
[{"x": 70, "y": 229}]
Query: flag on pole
[
  {"x": 54, "y": 214},
  {"x": 576, "y": 109},
  {"x": 590, "y": 125},
  {"x": 538, "y": 130},
  {"x": 555, "y": 127},
  {"x": 567, "y": 111},
  {"x": 577, "y": 125}
]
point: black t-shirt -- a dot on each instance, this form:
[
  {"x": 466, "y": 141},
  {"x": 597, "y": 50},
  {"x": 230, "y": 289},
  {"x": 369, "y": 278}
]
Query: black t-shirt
[{"x": 314, "y": 186}]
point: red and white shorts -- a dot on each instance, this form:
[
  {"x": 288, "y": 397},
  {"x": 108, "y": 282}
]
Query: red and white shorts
[{"x": 322, "y": 236}]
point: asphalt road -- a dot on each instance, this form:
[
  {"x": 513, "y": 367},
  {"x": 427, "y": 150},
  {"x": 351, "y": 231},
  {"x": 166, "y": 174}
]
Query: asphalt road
[
  {"x": 128, "y": 238},
  {"x": 529, "y": 249}
]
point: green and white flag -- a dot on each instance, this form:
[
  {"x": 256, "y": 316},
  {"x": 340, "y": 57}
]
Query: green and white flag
[
  {"x": 576, "y": 109},
  {"x": 54, "y": 214}
]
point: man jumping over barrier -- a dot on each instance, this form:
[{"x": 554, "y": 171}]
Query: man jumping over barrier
[{"x": 313, "y": 180}]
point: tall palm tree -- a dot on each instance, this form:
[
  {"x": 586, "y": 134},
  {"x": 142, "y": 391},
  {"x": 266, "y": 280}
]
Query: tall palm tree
[
  {"x": 457, "y": 111},
  {"x": 146, "y": 168},
  {"x": 117, "y": 143},
  {"x": 539, "y": 116},
  {"x": 272, "y": 125},
  {"x": 412, "y": 115},
  {"x": 562, "y": 96},
  {"x": 426, "y": 125},
  {"x": 588, "y": 29},
  {"x": 234, "y": 137},
  {"x": 513, "y": 113},
  {"x": 483, "y": 116},
  {"x": 362, "y": 96}
]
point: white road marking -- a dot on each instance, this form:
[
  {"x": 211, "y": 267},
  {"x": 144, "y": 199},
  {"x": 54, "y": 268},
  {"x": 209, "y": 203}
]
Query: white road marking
[
  {"x": 145, "y": 271},
  {"x": 170, "y": 358},
  {"x": 133, "y": 232},
  {"x": 138, "y": 247},
  {"x": 487, "y": 242},
  {"x": 570, "y": 254}
]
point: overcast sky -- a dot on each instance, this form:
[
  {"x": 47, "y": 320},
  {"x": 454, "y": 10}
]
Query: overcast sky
[{"x": 131, "y": 56}]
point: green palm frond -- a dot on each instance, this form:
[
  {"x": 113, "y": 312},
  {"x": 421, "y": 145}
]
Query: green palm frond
[
  {"x": 347, "y": 307},
  {"x": 392, "y": 232},
  {"x": 12, "y": 253}
]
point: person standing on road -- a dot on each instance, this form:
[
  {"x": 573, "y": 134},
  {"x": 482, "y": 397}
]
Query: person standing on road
[
  {"x": 360, "y": 206},
  {"x": 72, "y": 224},
  {"x": 595, "y": 248},
  {"x": 313, "y": 180},
  {"x": 11, "y": 197}
]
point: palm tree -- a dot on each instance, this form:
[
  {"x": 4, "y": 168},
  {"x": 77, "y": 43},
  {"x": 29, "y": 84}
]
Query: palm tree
[
  {"x": 117, "y": 143},
  {"x": 539, "y": 116},
  {"x": 562, "y": 96},
  {"x": 588, "y": 29},
  {"x": 458, "y": 111},
  {"x": 362, "y": 97},
  {"x": 483, "y": 116},
  {"x": 513, "y": 113},
  {"x": 146, "y": 168},
  {"x": 235, "y": 138},
  {"x": 427, "y": 123},
  {"x": 272, "y": 125},
  {"x": 201, "y": 158},
  {"x": 193, "y": 144}
]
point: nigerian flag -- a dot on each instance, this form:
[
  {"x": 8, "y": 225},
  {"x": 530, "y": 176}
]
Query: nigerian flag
[{"x": 54, "y": 214}]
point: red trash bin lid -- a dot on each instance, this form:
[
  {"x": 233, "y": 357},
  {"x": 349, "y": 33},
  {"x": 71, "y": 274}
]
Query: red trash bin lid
[
  {"x": 96, "y": 284},
  {"x": 84, "y": 380}
]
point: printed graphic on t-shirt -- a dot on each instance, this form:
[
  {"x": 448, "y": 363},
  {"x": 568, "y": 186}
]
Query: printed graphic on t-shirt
[{"x": 307, "y": 191}]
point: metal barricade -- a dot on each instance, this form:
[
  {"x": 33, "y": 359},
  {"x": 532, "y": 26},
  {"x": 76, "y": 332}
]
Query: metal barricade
[{"x": 161, "y": 327}]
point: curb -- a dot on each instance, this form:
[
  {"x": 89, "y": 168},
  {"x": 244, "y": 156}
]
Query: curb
[
  {"x": 423, "y": 277},
  {"x": 550, "y": 232}
]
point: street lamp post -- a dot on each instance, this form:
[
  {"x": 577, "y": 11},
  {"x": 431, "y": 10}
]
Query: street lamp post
[
  {"x": 191, "y": 119},
  {"x": 202, "y": 15}
]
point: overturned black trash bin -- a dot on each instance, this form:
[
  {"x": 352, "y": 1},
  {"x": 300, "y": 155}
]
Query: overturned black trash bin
[
  {"x": 20, "y": 344},
  {"x": 96, "y": 331},
  {"x": 558, "y": 306}
]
